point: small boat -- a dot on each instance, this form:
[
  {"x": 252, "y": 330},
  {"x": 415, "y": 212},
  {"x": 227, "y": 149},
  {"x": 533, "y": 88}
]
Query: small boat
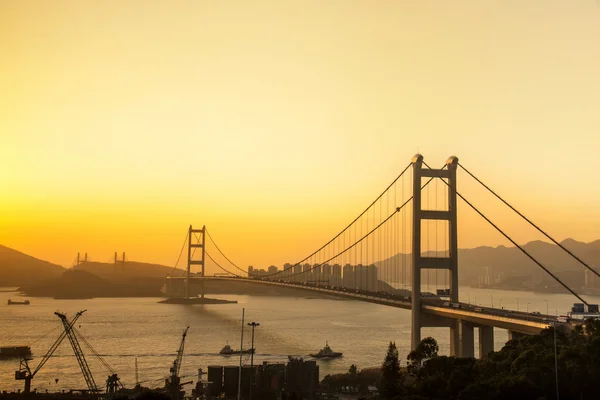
[
  {"x": 15, "y": 351},
  {"x": 326, "y": 352},
  {"x": 228, "y": 351},
  {"x": 15, "y": 303}
]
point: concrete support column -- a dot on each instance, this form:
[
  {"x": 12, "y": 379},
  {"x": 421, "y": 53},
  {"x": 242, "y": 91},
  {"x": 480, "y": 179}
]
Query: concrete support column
[
  {"x": 514, "y": 335},
  {"x": 455, "y": 338},
  {"x": 467, "y": 340},
  {"x": 486, "y": 340}
]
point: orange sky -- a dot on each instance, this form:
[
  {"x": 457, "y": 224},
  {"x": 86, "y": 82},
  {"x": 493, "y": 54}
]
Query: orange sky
[{"x": 122, "y": 122}]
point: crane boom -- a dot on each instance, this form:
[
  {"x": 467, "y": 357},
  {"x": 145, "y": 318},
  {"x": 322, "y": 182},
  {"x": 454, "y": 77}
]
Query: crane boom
[
  {"x": 25, "y": 373},
  {"x": 85, "y": 368},
  {"x": 179, "y": 358}
]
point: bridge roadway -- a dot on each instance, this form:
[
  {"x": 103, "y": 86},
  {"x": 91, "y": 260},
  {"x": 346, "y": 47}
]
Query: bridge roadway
[{"x": 513, "y": 321}]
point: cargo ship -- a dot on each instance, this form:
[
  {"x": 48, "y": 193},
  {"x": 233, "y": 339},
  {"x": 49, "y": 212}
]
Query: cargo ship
[
  {"x": 16, "y": 303},
  {"x": 228, "y": 351}
]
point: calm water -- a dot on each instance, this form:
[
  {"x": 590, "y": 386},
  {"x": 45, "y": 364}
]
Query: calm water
[{"x": 123, "y": 329}]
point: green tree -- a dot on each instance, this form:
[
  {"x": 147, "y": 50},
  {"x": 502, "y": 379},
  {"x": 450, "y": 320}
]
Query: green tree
[
  {"x": 392, "y": 380},
  {"x": 426, "y": 350}
]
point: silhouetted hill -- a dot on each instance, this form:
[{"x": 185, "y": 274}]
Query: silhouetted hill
[
  {"x": 82, "y": 284},
  {"x": 125, "y": 272},
  {"x": 509, "y": 268},
  {"x": 17, "y": 268}
]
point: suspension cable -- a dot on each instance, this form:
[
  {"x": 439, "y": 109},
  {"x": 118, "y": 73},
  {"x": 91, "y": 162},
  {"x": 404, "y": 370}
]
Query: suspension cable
[
  {"x": 350, "y": 225},
  {"x": 519, "y": 247},
  {"x": 530, "y": 222},
  {"x": 180, "y": 253},
  {"x": 358, "y": 241},
  {"x": 218, "y": 265},
  {"x": 353, "y": 221},
  {"x": 217, "y": 247}
]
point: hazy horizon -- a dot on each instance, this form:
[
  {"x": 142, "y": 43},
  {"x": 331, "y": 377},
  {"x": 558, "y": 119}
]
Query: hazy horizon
[{"x": 275, "y": 124}]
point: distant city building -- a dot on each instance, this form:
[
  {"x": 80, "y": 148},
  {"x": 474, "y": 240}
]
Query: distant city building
[
  {"x": 326, "y": 274},
  {"x": 336, "y": 275},
  {"x": 272, "y": 269},
  {"x": 307, "y": 275},
  {"x": 316, "y": 273},
  {"x": 298, "y": 275},
  {"x": 349, "y": 277},
  {"x": 591, "y": 280}
]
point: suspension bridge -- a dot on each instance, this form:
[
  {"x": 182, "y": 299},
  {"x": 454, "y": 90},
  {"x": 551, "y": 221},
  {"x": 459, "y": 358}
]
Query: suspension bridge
[{"x": 405, "y": 238}]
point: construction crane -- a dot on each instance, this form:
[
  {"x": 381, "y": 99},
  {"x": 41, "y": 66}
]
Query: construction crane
[
  {"x": 85, "y": 368},
  {"x": 25, "y": 373},
  {"x": 173, "y": 382}
]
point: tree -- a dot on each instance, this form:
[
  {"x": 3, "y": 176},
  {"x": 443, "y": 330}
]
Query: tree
[
  {"x": 391, "y": 382},
  {"x": 426, "y": 350}
]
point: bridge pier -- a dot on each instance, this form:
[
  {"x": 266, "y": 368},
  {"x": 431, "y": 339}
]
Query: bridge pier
[
  {"x": 486, "y": 340},
  {"x": 467, "y": 339},
  {"x": 455, "y": 338},
  {"x": 514, "y": 335}
]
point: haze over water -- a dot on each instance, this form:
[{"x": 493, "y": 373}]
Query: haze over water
[{"x": 122, "y": 329}]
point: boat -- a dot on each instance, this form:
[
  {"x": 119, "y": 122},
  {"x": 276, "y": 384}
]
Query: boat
[
  {"x": 326, "y": 352},
  {"x": 228, "y": 351},
  {"x": 15, "y": 352},
  {"x": 15, "y": 303}
]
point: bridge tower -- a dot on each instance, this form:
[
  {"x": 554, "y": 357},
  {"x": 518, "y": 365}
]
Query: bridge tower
[
  {"x": 192, "y": 245},
  {"x": 121, "y": 261},
  {"x": 420, "y": 263}
]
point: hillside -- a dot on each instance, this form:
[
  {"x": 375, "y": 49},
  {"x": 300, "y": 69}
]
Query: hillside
[
  {"x": 509, "y": 268},
  {"x": 17, "y": 268},
  {"x": 76, "y": 284},
  {"x": 125, "y": 272}
]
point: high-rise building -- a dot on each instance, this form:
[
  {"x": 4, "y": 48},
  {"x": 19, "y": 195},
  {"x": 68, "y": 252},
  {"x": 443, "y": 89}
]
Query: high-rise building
[
  {"x": 298, "y": 275},
  {"x": 326, "y": 274},
  {"x": 287, "y": 271},
  {"x": 361, "y": 276},
  {"x": 336, "y": 275},
  {"x": 307, "y": 275},
  {"x": 349, "y": 277},
  {"x": 272, "y": 270},
  {"x": 316, "y": 273}
]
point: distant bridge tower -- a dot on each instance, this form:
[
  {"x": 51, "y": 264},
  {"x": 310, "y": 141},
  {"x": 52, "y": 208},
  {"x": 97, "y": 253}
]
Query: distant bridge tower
[
  {"x": 191, "y": 261},
  {"x": 122, "y": 260},
  {"x": 79, "y": 260},
  {"x": 450, "y": 263}
]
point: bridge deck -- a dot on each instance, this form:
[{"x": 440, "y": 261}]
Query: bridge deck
[{"x": 480, "y": 316}]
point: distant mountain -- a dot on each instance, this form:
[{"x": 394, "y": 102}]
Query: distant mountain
[
  {"x": 17, "y": 268},
  {"x": 509, "y": 268},
  {"x": 120, "y": 272}
]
